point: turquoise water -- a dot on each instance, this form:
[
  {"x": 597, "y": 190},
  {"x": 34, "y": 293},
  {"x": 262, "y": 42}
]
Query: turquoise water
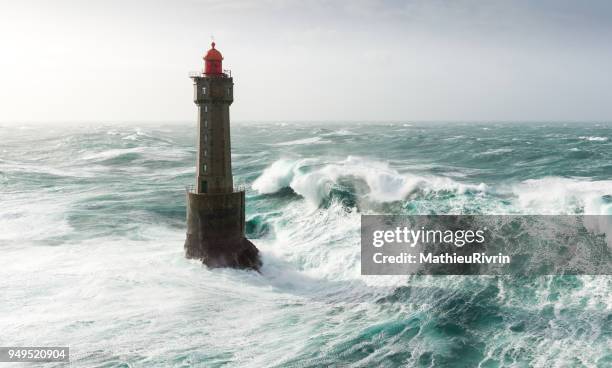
[{"x": 92, "y": 230}]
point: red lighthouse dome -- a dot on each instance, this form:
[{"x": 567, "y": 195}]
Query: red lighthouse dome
[{"x": 213, "y": 61}]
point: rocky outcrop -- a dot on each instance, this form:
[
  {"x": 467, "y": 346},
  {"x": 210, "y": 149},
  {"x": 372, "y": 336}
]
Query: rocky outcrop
[{"x": 235, "y": 253}]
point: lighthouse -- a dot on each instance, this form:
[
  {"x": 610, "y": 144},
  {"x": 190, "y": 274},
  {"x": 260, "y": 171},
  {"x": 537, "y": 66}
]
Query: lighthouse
[{"x": 215, "y": 208}]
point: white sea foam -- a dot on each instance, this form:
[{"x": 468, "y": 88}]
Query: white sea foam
[
  {"x": 132, "y": 298},
  {"x": 136, "y": 135},
  {"x": 30, "y": 220},
  {"x": 454, "y": 137},
  {"x": 152, "y": 153},
  {"x": 297, "y": 142},
  {"x": 345, "y": 132},
  {"x": 554, "y": 195},
  {"x": 112, "y": 153},
  {"x": 340, "y": 132},
  {"x": 277, "y": 176},
  {"x": 384, "y": 184},
  {"x": 497, "y": 151},
  {"x": 593, "y": 138}
]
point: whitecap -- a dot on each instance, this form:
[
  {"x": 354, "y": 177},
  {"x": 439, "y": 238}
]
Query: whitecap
[
  {"x": 496, "y": 151},
  {"x": 555, "y": 195},
  {"x": 384, "y": 184},
  {"x": 277, "y": 176},
  {"x": 593, "y": 138},
  {"x": 112, "y": 153},
  {"x": 312, "y": 140}
]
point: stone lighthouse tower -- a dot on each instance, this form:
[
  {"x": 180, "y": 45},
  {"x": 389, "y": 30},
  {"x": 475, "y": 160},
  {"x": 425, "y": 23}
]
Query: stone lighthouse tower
[{"x": 215, "y": 209}]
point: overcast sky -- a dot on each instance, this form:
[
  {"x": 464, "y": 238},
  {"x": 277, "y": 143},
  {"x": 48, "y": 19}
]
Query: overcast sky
[{"x": 308, "y": 60}]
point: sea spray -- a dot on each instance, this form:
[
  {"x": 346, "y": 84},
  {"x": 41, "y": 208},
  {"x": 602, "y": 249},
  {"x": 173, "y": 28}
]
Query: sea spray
[
  {"x": 383, "y": 184},
  {"x": 104, "y": 267}
]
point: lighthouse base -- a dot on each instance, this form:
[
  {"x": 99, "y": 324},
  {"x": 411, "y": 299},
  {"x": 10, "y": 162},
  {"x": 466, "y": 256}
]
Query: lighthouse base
[
  {"x": 234, "y": 253},
  {"x": 215, "y": 231}
]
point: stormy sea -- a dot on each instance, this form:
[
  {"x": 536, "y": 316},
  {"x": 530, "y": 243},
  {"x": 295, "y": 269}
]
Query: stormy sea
[{"x": 92, "y": 226}]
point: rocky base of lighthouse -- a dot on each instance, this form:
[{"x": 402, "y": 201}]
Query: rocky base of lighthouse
[
  {"x": 234, "y": 253},
  {"x": 215, "y": 231}
]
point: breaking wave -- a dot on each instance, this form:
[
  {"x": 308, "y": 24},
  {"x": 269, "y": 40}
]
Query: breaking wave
[
  {"x": 375, "y": 181},
  {"x": 554, "y": 195},
  {"x": 370, "y": 180},
  {"x": 92, "y": 221}
]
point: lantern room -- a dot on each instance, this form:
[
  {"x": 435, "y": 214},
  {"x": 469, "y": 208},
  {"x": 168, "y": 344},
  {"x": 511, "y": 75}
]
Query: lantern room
[{"x": 212, "y": 61}]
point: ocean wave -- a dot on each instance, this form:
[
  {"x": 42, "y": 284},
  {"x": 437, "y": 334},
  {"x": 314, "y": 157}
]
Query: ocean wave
[
  {"x": 593, "y": 138},
  {"x": 118, "y": 156},
  {"x": 555, "y": 195},
  {"x": 370, "y": 180},
  {"x": 340, "y": 132},
  {"x": 318, "y": 238},
  {"x": 358, "y": 181},
  {"x": 497, "y": 151},
  {"x": 279, "y": 175},
  {"x": 45, "y": 171},
  {"x": 114, "y": 153},
  {"x": 119, "y": 250},
  {"x": 139, "y": 134},
  {"x": 136, "y": 135},
  {"x": 455, "y": 137},
  {"x": 297, "y": 142},
  {"x": 19, "y": 213}
]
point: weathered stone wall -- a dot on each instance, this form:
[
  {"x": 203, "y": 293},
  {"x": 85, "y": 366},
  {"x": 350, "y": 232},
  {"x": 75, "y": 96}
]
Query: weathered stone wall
[
  {"x": 215, "y": 231},
  {"x": 214, "y": 95},
  {"x": 212, "y": 216}
]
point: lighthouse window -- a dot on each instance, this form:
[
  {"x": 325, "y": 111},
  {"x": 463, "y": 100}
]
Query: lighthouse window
[
  {"x": 228, "y": 91},
  {"x": 203, "y": 90},
  {"x": 204, "y": 167},
  {"x": 205, "y": 123},
  {"x": 205, "y": 108}
]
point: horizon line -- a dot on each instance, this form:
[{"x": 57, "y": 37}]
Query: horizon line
[{"x": 275, "y": 121}]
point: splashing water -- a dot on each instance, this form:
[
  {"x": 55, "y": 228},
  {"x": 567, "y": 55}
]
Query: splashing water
[{"x": 92, "y": 228}]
